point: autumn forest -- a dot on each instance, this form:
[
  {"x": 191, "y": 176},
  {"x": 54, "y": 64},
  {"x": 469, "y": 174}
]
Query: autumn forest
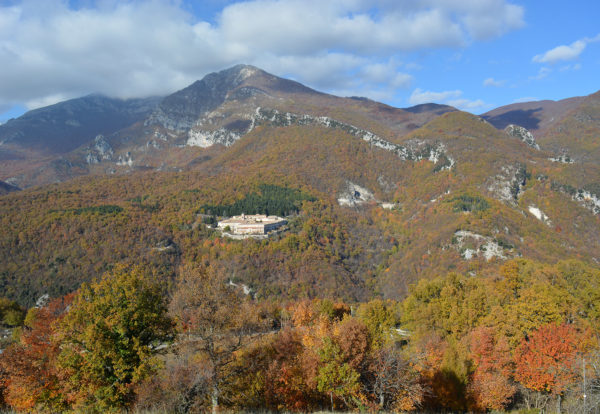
[{"x": 524, "y": 339}]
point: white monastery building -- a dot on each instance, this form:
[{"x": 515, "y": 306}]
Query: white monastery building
[{"x": 252, "y": 224}]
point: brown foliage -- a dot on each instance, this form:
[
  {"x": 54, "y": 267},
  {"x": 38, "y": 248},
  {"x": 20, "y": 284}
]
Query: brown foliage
[
  {"x": 286, "y": 384},
  {"x": 352, "y": 336},
  {"x": 181, "y": 386},
  {"x": 395, "y": 381}
]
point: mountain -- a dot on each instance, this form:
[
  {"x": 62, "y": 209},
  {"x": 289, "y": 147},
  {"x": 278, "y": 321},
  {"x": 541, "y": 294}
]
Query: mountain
[
  {"x": 97, "y": 135},
  {"x": 44, "y": 135},
  {"x": 535, "y": 116},
  {"x": 568, "y": 129},
  {"x": 62, "y": 127},
  {"x": 384, "y": 196},
  {"x": 182, "y": 110},
  {"x": 575, "y": 134}
]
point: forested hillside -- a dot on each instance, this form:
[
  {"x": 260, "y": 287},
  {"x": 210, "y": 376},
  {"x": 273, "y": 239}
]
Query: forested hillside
[{"x": 364, "y": 221}]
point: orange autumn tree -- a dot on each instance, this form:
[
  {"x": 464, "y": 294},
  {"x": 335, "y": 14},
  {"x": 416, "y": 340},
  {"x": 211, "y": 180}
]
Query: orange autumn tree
[
  {"x": 320, "y": 360},
  {"x": 292, "y": 372},
  {"x": 287, "y": 387},
  {"x": 490, "y": 385},
  {"x": 546, "y": 361},
  {"x": 31, "y": 377}
]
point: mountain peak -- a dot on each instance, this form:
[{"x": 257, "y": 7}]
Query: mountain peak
[
  {"x": 181, "y": 110},
  {"x": 244, "y": 71},
  {"x": 231, "y": 77}
]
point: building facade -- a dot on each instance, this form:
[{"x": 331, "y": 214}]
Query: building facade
[{"x": 252, "y": 224}]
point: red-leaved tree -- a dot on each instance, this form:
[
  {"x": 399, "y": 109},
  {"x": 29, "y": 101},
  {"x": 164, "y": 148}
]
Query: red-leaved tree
[
  {"x": 31, "y": 375},
  {"x": 546, "y": 361},
  {"x": 490, "y": 385}
]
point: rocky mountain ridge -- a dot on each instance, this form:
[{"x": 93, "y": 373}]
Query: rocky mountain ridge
[
  {"x": 219, "y": 109},
  {"x": 98, "y": 135}
]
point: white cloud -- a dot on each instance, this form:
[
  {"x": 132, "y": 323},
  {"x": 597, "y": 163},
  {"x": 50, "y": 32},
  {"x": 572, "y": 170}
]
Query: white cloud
[
  {"x": 342, "y": 74},
  {"x": 565, "y": 52},
  {"x": 559, "y": 53},
  {"x": 452, "y": 98},
  {"x": 567, "y": 68},
  {"x": 141, "y": 48},
  {"x": 542, "y": 73},
  {"x": 467, "y": 105},
  {"x": 386, "y": 73},
  {"x": 490, "y": 18},
  {"x": 413, "y": 66},
  {"x": 493, "y": 82},
  {"x": 325, "y": 70},
  {"x": 526, "y": 99},
  {"x": 306, "y": 26},
  {"x": 420, "y": 96}
]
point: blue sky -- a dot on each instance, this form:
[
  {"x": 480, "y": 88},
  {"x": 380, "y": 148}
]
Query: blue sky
[{"x": 473, "y": 54}]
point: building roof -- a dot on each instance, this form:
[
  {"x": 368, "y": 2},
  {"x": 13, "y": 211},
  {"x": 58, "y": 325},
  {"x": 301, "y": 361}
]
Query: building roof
[{"x": 251, "y": 219}]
